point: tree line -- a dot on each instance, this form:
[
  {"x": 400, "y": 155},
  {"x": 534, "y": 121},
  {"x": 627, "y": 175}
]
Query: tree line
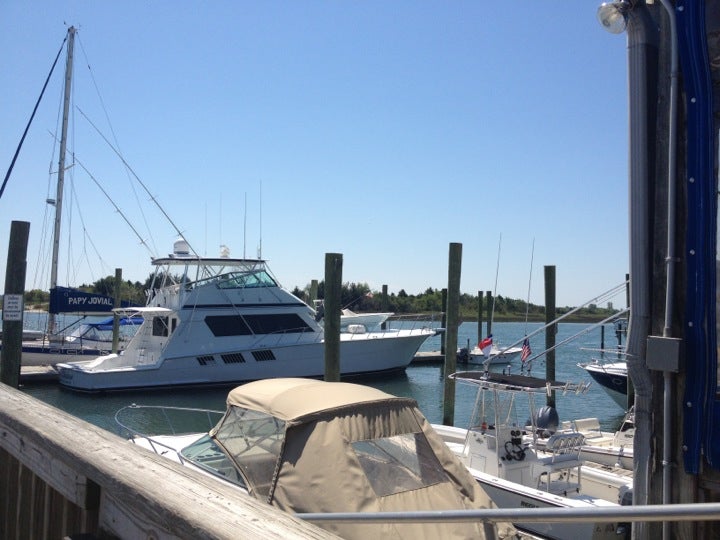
[{"x": 360, "y": 297}]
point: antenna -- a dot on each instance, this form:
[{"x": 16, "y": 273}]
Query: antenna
[
  {"x": 527, "y": 302},
  {"x": 245, "y": 226},
  {"x": 260, "y": 246},
  {"x": 497, "y": 270}
]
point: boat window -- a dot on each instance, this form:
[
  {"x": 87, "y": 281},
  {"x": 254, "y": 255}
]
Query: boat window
[
  {"x": 209, "y": 456},
  {"x": 227, "y": 325},
  {"x": 236, "y": 325},
  {"x": 253, "y": 439},
  {"x": 160, "y": 326},
  {"x": 277, "y": 324},
  {"x": 400, "y": 463}
]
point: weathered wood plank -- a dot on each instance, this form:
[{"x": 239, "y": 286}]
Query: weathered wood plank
[{"x": 138, "y": 491}]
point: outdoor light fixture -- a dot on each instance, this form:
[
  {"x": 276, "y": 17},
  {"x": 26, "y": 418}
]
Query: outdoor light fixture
[{"x": 612, "y": 16}]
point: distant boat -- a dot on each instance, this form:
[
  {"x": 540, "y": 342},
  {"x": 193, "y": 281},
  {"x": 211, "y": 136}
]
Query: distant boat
[
  {"x": 84, "y": 338},
  {"x": 612, "y": 377},
  {"x": 358, "y": 322},
  {"x": 222, "y": 321},
  {"x": 495, "y": 356},
  {"x": 354, "y": 322}
]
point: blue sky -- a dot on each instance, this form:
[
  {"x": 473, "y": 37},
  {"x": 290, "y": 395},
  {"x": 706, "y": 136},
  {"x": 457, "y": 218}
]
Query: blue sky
[{"x": 380, "y": 130}]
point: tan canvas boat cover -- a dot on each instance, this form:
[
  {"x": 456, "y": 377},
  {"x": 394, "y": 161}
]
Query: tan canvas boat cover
[{"x": 322, "y": 466}]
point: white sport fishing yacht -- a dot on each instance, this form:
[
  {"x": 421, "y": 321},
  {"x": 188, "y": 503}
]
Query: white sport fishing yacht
[{"x": 222, "y": 321}]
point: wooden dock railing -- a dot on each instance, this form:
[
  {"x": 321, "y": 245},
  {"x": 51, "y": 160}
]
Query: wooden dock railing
[{"x": 63, "y": 477}]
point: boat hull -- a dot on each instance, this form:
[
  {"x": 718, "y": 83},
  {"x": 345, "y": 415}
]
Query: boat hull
[
  {"x": 613, "y": 378},
  {"x": 496, "y": 357},
  {"x": 360, "y": 355},
  {"x": 509, "y": 495}
]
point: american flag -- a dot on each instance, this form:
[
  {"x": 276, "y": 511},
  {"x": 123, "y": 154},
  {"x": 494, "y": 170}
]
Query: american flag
[{"x": 525, "y": 350}]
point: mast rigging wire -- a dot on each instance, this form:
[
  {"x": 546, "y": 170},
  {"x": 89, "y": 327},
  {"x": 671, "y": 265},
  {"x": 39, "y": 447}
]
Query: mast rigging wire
[
  {"x": 32, "y": 116},
  {"x": 107, "y": 196},
  {"x": 117, "y": 144},
  {"x": 129, "y": 168}
]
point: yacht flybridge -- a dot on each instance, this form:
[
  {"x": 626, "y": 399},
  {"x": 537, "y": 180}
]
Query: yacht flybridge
[{"x": 221, "y": 321}]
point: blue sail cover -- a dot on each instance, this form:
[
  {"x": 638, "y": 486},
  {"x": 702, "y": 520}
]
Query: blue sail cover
[
  {"x": 107, "y": 324},
  {"x": 66, "y": 300}
]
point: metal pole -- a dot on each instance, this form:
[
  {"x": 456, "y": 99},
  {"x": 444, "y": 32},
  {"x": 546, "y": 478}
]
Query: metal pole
[
  {"x": 116, "y": 316},
  {"x": 61, "y": 175}
]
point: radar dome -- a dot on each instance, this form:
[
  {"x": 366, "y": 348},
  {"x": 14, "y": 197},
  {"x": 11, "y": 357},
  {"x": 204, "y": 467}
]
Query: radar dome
[{"x": 181, "y": 248}]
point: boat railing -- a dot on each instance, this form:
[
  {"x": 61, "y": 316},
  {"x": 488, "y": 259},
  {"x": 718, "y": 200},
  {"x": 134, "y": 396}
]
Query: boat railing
[
  {"x": 610, "y": 514},
  {"x": 150, "y": 421}
]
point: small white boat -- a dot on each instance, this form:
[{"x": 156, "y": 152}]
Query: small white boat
[
  {"x": 223, "y": 321},
  {"x": 365, "y": 322},
  {"x": 497, "y": 355},
  {"x": 354, "y": 322},
  {"x": 308, "y": 446},
  {"x": 505, "y": 458}
]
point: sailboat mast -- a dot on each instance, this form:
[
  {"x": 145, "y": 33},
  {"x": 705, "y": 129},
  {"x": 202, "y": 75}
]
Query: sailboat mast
[{"x": 61, "y": 171}]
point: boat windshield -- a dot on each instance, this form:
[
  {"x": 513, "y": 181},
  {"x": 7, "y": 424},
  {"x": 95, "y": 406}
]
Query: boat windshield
[
  {"x": 246, "y": 280},
  {"x": 249, "y": 279},
  {"x": 209, "y": 456},
  {"x": 253, "y": 440}
]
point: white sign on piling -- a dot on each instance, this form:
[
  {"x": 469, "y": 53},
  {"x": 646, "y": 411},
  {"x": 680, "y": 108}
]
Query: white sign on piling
[{"x": 12, "y": 307}]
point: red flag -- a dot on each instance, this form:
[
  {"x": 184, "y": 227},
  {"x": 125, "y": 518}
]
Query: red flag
[
  {"x": 486, "y": 345},
  {"x": 525, "y": 350}
]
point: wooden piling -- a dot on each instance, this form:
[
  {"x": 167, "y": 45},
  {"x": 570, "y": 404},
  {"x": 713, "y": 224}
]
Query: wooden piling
[
  {"x": 333, "y": 291},
  {"x": 480, "y": 317},
  {"x": 551, "y": 330},
  {"x": 488, "y": 309},
  {"x": 313, "y": 292},
  {"x": 116, "y": 316},
  {"x": 451, "y": 331},
  {"x": 14, "y": 304},
  {"x": 384, "y": 305},
  {"x": 443, "y": 320}
]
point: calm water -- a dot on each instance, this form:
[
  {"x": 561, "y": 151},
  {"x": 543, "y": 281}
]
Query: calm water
[{"x": 424, "y": 383}]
